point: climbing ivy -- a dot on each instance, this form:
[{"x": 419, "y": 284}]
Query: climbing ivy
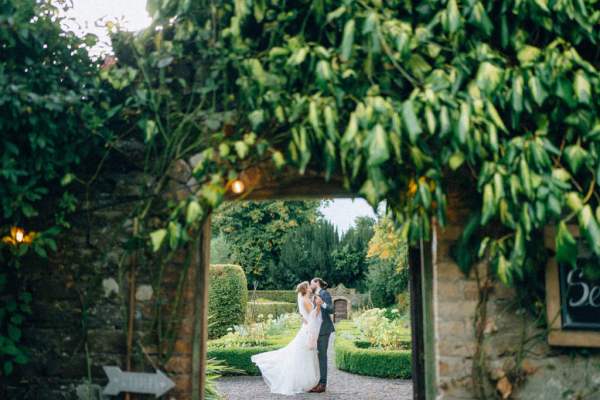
[
  {"x": 393, "y": 96},
  {"x": 53, "y": 107}
]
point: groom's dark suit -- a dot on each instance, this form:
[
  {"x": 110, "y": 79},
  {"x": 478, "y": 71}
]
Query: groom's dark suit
[{"x": 324, "y": 334}]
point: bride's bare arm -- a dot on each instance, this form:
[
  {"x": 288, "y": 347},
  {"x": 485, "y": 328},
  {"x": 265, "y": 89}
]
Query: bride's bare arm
[{"x": 307, "y": 306}]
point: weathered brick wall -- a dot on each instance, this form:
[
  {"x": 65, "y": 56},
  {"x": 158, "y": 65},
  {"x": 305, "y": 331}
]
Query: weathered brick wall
[
  {"x": 80, "y": 303},
  {"x": 546, "y": 373}
]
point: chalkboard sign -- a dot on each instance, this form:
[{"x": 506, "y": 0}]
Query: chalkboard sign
[
  {"x": 579, "y": 298},
  {"x": 572, "y": 298}
]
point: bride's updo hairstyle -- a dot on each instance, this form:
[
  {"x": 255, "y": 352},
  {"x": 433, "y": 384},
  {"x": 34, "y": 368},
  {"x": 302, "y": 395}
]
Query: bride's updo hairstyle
[{"x": 302, "y": 288}]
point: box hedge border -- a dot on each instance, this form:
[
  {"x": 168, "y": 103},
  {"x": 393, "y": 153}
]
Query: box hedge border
[
  {"x": 286, "y": 296},
  {"x": 239, "y": 357},
  {"x": 372, "y": 362}
]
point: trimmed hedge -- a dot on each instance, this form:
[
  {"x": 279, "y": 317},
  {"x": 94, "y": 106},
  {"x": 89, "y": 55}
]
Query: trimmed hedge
[
  {"x": 286, "y": 296},
  {"x": 372, "y": 362},
  {"x": 275, "y": 308},
  {"x": 227, "y": 298},
  {"x": 239, "y": 357}
]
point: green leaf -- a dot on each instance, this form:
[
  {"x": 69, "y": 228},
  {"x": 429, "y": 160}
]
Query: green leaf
[
  {"x": 213, "y": 193},
  {"x": 298, "y": 56},
  {"x": 193, "y": 212},
  {"x": 528, "y": 54},
  {"x": 369, "y": 192},
  {"x": 537, "y": 90},
  {"x": 574, "y": 201},
  {"x": 453, "y": 14},
  {"x": 40, "y": 251},
  {"x": 517, "y": 93},
  {"x": 411, "y": 122},
  {"x": 493, "y": 113},
  {"x": 502, "y": 269},
  {"x": 488, "y": 77},
  {"x": 456, "y": 160},
  {"x": 241, "y": 149},
  {"x": 566, "y": 245},
  {"x": 378, "y": 148},
  {"x": 335, "y": 14},
  {"x": 68, "y": 178},
  {"x": 425, "y": 195},
  {"x": 151, "y": 130},
  {"x": 582, "y": 87},
  {"x": 348, "y": 40},
  {"x": 464, "y": 122},
  {"x": 256, "y": 118},
  {"x": 489, "y": 206},
  {"x": 278, "y": 159},
  {"x": 174, "y": 234},
  {"x": 157, "y": 237},
  {"x": 164, "y": 62},
  {"x": 575, "y": 156},
  {"x": 591, "y": 228}
]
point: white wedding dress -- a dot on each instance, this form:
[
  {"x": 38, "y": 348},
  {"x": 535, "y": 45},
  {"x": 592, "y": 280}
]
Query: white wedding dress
[{"x": 294, "y": 368}]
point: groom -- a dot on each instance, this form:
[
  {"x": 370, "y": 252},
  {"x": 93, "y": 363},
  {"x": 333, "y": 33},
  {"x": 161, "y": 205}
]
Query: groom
[{"x": 323, "y": 298}]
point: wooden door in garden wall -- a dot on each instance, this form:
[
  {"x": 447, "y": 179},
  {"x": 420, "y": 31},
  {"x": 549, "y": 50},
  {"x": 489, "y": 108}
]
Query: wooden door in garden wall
[
  {"x": 341, "y": 309},
  {"x": 267, "y": 185}
]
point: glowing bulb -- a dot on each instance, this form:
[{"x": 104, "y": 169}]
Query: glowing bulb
[
  {"x": 238, "y": 186},
  {"x": 19, "y": 235}
]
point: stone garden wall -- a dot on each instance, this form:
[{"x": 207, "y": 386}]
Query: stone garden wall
[
  {"x": 80, "y": 303},
  {"x": 518, "y": 361}
]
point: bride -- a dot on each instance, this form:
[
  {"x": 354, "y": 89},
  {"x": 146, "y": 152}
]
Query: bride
[{"x": 295, "y": 368}]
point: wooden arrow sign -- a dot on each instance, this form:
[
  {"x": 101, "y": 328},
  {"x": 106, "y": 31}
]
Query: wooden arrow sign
[{"x": 136, "y": 382}]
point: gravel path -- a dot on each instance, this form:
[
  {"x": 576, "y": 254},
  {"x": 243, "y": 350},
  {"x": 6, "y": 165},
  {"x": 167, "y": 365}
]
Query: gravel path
[{"x": 341, "y": 386}]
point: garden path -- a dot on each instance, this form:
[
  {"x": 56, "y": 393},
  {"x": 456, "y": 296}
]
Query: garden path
[{"x": 342, "y": 386}]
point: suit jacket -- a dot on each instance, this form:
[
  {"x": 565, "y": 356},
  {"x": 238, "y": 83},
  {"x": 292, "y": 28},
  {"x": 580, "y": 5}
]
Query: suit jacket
[{"x": 327, "y": 325}]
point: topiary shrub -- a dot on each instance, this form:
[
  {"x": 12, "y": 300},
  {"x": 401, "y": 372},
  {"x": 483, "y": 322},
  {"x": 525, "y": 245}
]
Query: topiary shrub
[
  {"x": 371, "y": 362},
  {"x": 227, "y": 298}
]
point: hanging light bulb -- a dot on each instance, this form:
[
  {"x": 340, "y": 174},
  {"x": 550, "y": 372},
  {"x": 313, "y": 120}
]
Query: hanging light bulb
[
  {"x": 19, "y": 235},
  {"x": 237, "y": 186}
]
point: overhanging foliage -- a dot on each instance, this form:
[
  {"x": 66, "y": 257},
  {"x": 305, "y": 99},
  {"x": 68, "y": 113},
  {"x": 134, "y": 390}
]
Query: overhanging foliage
[{"x": 393, "y": 95}]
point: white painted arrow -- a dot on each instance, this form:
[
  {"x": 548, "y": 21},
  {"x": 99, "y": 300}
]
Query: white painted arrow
[{"x": 136, "y": 382}]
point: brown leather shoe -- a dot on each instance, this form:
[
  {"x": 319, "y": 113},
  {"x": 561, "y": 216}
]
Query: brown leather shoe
[
  {"x": 320, "y": 388},
  {"x": 315, "y": 388}
]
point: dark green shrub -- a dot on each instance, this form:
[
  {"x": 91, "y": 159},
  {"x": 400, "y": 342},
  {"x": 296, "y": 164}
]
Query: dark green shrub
[
  {"x": 239, "y": 357},
  {"x": 227, "y": 298},
  {"x": 385, "y": 282},
  {"x": 371, "y": 362},
  {"x": 287, "y": 296}
]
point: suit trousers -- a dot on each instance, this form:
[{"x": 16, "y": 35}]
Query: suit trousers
[{"x": 322, "y": 346}]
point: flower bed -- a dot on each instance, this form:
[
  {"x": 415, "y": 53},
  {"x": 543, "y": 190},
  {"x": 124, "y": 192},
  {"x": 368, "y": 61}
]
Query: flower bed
[{"x": 243, "y": 341}]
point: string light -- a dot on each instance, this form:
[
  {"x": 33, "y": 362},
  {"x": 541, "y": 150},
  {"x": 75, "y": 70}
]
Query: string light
[
  {"x": 19, "y": 235},
  {"x": 238, "y": 186}
]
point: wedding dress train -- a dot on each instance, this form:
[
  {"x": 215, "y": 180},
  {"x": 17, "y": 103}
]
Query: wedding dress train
[{"x": 294, "y": 368}]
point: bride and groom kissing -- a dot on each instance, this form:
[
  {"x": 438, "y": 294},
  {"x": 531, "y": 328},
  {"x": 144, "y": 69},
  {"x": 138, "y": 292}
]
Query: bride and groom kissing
[{"x": 301, "y": 366}]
